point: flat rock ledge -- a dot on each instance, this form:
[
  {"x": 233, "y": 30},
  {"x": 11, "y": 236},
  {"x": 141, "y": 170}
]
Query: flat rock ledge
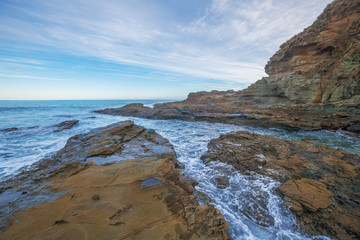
[
  {"x": 143, "y": 197},
  {"x": 321, "y": 185},
  {"x": 235, "y": 108}
]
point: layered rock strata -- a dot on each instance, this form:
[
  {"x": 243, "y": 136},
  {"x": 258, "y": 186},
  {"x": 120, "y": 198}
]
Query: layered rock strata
[
  {"x": 321, "y": 185},
  {"x": 320, "y": 65},
  {"x": 140, "y": 198}
]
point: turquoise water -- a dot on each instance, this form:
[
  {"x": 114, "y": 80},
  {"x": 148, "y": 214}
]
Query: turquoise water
[{"x": 244, "y": 198}]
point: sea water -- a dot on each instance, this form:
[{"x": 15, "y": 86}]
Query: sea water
[{"x": 249, "y": 203}]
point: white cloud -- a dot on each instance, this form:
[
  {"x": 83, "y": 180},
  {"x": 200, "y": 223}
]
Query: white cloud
[
  {"x": 30, "y": 77},
  {"x": 230, "y": 41}
]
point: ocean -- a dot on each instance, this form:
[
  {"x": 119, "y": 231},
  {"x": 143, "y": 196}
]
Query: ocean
[{"x": 246, "y": 196}]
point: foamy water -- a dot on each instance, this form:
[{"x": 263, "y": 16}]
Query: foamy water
[{"x": 249, "y": 203}]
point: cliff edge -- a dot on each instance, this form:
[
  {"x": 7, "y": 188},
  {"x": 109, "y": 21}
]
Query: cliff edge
[{"x": 320, "y": 65}]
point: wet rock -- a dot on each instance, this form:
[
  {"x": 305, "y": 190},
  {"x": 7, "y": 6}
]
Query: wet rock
[
  {"x": 321, "y": 185},
  {"x": 164, "y": 210},
  {"x": 116, "y": 142},
  {"x": 222, "y": 182},
  {"x": 65, "y": 125},
  {"x": 9, "y": 129}
]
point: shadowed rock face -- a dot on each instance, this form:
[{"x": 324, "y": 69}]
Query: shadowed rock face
[
  {"x": 321, "y": 185},
  {"x": 137, "y": 198}
]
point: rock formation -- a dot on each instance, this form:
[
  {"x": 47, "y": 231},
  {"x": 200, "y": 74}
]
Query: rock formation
[
  {"x": 65, "y": 125},
  {"x": 236, "y": 111},
  {"x": 321, "y": 185},
  {"x": 140, "y": 198},
  {"x": 320, "y": 65}
]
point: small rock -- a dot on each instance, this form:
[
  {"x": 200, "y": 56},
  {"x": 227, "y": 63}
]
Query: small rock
[
  {"x": 65, "y": 125},
  {"x": 222, "y": 182},
  {"x": 9, "y": 129}
]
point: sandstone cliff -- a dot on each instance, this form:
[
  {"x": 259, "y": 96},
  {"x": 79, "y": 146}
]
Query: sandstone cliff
[{"x": 320, "y": 65}]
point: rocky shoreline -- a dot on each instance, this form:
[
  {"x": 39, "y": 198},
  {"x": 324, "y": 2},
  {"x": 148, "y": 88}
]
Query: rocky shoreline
[
  {"x": 313, "y": 84},
  {"x": 142, "y": 197},
  {"x": 320, "y": 184},
  {"x": 225, "y": 109}
]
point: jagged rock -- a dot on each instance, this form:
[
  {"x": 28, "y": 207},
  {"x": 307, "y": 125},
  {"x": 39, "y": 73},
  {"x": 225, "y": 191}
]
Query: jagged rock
[
  {"x": 65, "y": 125},
  {"x": 321, "y": 185}
]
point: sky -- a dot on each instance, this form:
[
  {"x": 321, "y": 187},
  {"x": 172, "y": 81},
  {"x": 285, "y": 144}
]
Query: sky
[{"x": 141, "y": 49}]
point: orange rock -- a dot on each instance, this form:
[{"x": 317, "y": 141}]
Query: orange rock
[
  {"x": 128, "y": 200},
  {"x": 311, "y": 194}
]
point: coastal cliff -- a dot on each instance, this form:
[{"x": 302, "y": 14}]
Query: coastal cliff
[
  {"x": 313, "y": 83},
  {"x": 320, "y": 65}
]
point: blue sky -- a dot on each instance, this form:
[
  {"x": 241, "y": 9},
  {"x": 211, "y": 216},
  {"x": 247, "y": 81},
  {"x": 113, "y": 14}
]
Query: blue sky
[{"x": 141, "y": 49}]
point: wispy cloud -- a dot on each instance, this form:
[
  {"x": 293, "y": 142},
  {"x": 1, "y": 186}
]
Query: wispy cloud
[
  {"x": 22, "y": 60},
  {"x": 30, "y": 77},
  {"x": 227, "y": 40}
]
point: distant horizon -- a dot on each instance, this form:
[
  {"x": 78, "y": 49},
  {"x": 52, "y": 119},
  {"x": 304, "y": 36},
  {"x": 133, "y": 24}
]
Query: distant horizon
[
  {"x": 130, "y": 99},
  {"x": 105, "y": 50}
]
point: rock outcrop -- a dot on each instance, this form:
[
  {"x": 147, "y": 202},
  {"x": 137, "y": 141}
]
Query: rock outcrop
[
  {"x": 236, "y": 111},
  {"x": 65, "y": 125},
  {"x": 69, "y": 196},
  {"x": 321, "y": 185},
  {"x": 320, "y": 65},
  {"x": 134, "y": 199}
]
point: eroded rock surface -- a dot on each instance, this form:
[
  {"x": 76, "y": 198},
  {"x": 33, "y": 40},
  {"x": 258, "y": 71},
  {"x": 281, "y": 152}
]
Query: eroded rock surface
[
  {"x": 321, "y": 185},
  {"x": 137, "y": 198},
  {"x": 134, "y": 199}
]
